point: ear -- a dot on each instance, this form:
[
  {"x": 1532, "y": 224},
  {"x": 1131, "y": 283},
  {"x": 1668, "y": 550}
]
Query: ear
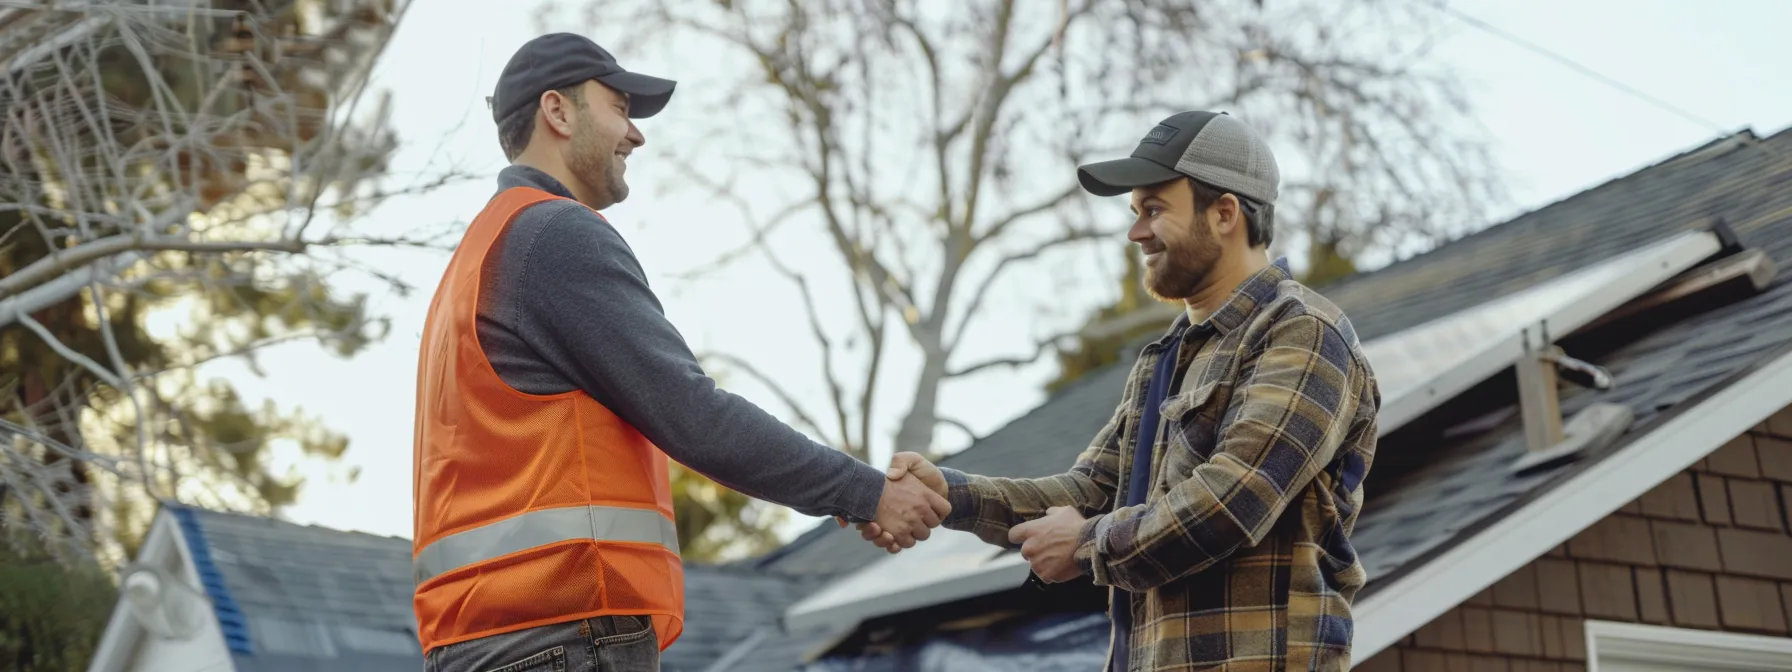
[
  {"x": 1228, "y": 217},
  {"x": 556, "y": 113}
]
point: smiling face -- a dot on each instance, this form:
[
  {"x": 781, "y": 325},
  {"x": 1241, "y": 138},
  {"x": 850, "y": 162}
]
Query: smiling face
[
  {"x": 601, "y": 140},
  {"x": 1177, "y": 237}
]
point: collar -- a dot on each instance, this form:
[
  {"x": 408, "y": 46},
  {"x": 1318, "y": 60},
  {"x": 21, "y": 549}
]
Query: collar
[
  {"x": 1255, "y": 291},
  {"x": 519, "y": 175}
]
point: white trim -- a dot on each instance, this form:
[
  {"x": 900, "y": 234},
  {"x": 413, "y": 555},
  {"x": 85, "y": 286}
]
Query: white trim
[
  {"x": 1398, "y": 609},
  {"x": 1694, "y": 649},
  {"x": 122, "y": 631}
]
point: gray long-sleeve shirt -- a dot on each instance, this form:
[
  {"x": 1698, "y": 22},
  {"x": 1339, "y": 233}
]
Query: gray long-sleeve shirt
[{"x": 564, "y": 305}]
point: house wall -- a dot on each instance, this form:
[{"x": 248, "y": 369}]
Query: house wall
[
  {"x": 127, "y": 647},
  {"x": 1710, "y": 549}
]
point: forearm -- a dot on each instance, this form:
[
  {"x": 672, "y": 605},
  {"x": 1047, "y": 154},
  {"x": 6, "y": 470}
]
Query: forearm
[
  {"x": 588, "y": 309},
  {"x": 739, "y": 445},
  {"x": 988, "y": 507},
  {"x": 1144, "y": 546}
]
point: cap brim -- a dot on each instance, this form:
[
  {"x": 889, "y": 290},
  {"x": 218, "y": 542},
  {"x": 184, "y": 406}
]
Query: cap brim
[
  {"x": 1112, "y": 178},
  {"x": 647, "y": 95}
]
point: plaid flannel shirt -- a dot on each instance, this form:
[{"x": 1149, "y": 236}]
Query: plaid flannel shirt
[{"x": 1240, "y": 557}]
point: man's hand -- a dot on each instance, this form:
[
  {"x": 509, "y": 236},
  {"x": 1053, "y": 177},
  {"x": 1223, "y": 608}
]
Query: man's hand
[
  {"x": 907, "y": 512},
  {"x": 904, "y": 464},
  {"x": 1049, "y": 542},
  {"x": 912, "y": 463}
]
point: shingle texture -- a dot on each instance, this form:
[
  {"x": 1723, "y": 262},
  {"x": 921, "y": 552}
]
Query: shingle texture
[
  {"x": 1462, "y": 481},
  {"x": 1741, "y": 180},
  {"x": 725, "y": 604},
  {"x": 312, "y": 598}
]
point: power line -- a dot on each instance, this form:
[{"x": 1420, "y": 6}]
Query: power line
[{"x": 1440, "y": 5}]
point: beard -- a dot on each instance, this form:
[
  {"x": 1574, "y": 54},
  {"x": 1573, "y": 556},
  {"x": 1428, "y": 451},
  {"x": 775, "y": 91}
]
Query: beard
[
  {"x": 594, "y": 162},
  {"x": 1184, "y": 266}
]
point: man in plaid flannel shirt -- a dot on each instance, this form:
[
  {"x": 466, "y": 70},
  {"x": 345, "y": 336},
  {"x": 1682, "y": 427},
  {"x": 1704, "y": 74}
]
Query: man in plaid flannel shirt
[{"x": 1217, "y": 503}]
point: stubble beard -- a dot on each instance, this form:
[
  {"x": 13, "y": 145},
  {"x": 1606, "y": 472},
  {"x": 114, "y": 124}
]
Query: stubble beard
[
  {"x": 597, "y": 165},
  {"x": 1184, "y": 268}
]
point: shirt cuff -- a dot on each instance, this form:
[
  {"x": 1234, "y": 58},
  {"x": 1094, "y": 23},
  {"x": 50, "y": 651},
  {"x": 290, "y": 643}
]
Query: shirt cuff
[
  {"x": 861, "y": 492},
  {"x": 958, "y": 495},
  {"x": 1088, "y": 546}
]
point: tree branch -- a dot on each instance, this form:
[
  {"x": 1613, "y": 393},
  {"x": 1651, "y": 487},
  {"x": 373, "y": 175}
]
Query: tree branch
[
  {"x": 960, "y": 426},
  {"x": 1001, "y": 224},
  {"x": 983, "y": 288},
  {"x": 1043, "y": 346},
  {"x": 86, "y": 253}
]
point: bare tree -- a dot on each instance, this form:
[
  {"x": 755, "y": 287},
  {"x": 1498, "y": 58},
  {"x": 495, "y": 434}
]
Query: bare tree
[
  {"x": 932, "y": 144},
  {"x": 204, "y": 159}
]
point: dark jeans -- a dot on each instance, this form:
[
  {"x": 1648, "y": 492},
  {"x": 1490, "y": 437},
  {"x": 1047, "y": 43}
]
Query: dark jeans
[{"x": 604, "y": 644}]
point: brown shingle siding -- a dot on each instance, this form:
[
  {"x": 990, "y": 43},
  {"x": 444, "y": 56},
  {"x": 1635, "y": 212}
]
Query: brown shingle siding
[
  {"x": 1550, "y": 637},
  {"x": 1444, "y": 632},
  {"x": 1751, "y": 605},
  {"x": 1674, "y": 499},
  {"x": 1617, "y": 538},
  {"x": 1714, "y": 499},
  {"x": 1736, "y": 458},
  {"x": 1780, "y": 424},
  {"x": 1754, "y": 504},
  {"x": 1607, "y": 591},
  {"x": 1515, "y": 632},
  {"x": 1686, "y": 546},
  {"x": 1386, "y": 661},
  {"x": 1574, "y": 638},
  {"x": 1692, "y": 599},
  {"x": 1651, "y": 596},
  {"x": 1518, "y": 590},
  {"x": 1776, "y": 458},
  {"x": 1558, "y": 590},
  {"x": 1752, "y": 553},
  {"x": 1477, "y": 629},
  {"x": 1709, "y": 548}
]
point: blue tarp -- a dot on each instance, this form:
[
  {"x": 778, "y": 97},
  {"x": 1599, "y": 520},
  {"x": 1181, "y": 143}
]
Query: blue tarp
[{"x": 1054, "y": 643}]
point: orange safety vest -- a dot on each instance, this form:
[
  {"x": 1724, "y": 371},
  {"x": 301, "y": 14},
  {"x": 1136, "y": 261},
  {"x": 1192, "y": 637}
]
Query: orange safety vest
[{"x": 529, "y": 509}]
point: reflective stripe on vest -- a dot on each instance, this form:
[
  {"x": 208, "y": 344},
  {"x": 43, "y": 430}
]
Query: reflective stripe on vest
[{"x": 540, "y": 528}]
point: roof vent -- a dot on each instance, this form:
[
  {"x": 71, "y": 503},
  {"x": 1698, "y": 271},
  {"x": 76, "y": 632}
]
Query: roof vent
[{"x": 1593, "y": 428}]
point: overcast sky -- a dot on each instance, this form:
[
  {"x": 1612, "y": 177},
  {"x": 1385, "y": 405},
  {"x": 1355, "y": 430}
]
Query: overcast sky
[{"x": 1557, "y": 132}]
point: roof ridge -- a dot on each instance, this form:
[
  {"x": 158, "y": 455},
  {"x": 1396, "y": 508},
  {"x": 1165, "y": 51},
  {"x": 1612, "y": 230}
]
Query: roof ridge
[
  {"x": 174, "y": 505},
  {"x": 1741, "y": 139}
]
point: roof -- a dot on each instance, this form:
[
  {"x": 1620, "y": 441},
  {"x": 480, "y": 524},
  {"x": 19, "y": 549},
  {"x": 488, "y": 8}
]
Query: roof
[
  {"x": 1453, "y": 487},
  {"x": 1436, "y": 485},
  {"x": 725, "y": 605},
  {"x": 295, "y": 597},
  {"x": 292, "y": 597}
]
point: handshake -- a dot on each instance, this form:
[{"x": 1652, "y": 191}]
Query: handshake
[{"x": 913, "y": 503}]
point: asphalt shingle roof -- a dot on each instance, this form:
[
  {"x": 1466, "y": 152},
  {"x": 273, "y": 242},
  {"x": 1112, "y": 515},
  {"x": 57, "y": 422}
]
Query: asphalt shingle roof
[
  {"x": 306, "y": 597},
  {"x": 724, "y": 605},
  {"x": 1430, "y": 488}
]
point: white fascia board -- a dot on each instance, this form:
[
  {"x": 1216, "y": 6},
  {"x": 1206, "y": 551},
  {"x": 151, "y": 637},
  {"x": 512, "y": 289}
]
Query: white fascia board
[
  {"x": 1617, "y": 643},
  {"x": 1673, "y": 257},
  {"x": 1398, "y": 609}
]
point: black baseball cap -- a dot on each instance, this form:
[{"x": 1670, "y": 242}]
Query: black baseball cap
[
  {"x": 1213, "y": 147},
  {"x": 559, "y": 60}
]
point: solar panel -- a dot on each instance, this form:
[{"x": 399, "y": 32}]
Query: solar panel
[
  {"x": 1426, "y": 365},
  {"x": 949, "y": 566}
]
